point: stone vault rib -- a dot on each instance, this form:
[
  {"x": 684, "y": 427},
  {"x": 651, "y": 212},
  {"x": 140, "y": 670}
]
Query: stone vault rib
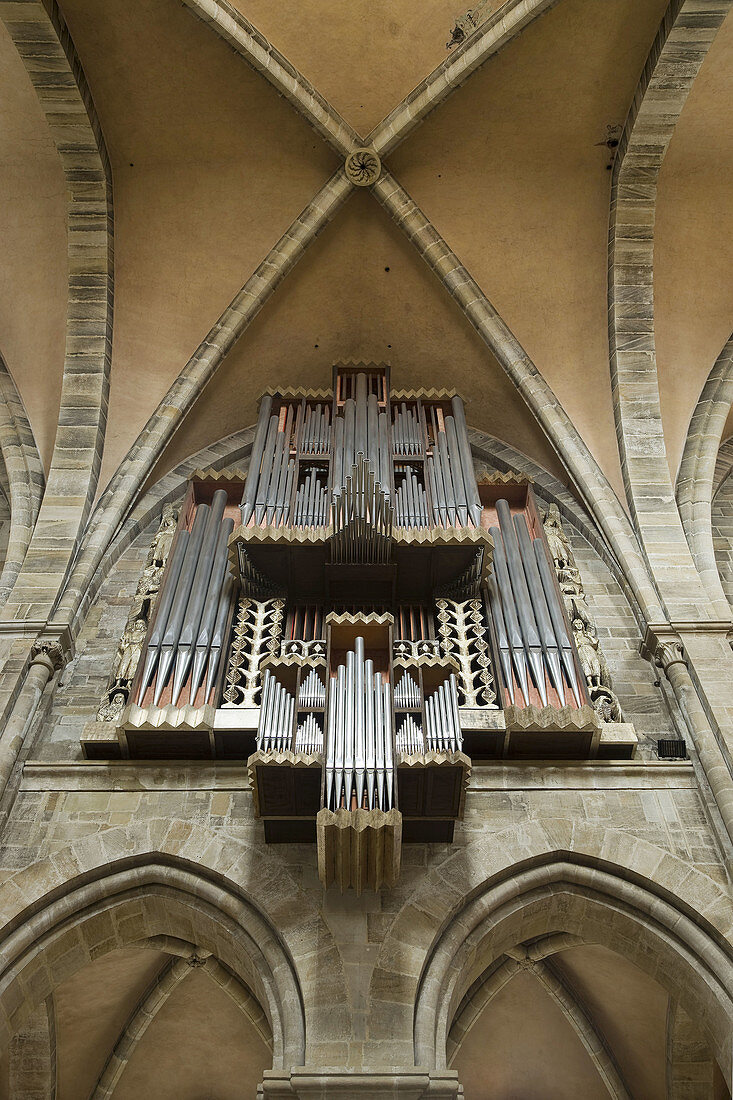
[
  {"x": 598, "y": 495},
  {"x": 43, "y": 42},
  {"x": 687, "y": 31},
  {"x": 697, "y": 473},
  {"x": 122, "y": 490},
  {"x": 25, "y": 478}
]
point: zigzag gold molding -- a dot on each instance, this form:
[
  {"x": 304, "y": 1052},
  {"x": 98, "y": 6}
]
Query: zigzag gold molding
[
  {"x": 298, "y": 392},
  {"x": 134, "y": 717},
  {"x": 505, "y": 477},
  {"x": 385, "y": 619},
  {"x": 229, "y": 473},
  {"x": 556, "y": 719}
]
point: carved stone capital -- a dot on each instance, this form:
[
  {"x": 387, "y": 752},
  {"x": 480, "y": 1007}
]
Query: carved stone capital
[
  {"x": 49, "y": 652},
  {"x": 668, "y": 653}
]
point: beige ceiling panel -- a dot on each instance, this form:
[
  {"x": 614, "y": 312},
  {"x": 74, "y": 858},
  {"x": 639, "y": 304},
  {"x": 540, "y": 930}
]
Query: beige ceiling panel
[
  {"x": 522, "y": 1046},
  {"x": 92, "y": 1007},
  {"x": 210, "y": 167},
  {"x": 693, "y": 243},
  {"x": 630, "y": 1011},
  {"x": 360, "y": 293},
  {"x": 199, "y": 1045},
  {"x": 513, "y": 172},
  {"x": 364, "y": 55},
  {"x": 33, "y": 259}
]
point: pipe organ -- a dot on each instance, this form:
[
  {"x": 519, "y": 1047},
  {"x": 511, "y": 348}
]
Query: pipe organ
[{"x": 361, "y": 621}]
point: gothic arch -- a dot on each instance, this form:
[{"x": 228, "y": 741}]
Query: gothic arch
[
  {"x": 602, "y": 885},
  {"x": 119, "y": 887},
  {"x": 597, "y": 905}
]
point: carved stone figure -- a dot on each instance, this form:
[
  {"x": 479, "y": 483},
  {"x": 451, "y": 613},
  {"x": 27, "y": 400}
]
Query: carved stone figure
[
  {"x": 161, "y": 544},
  {"x": 586, "y": 642},
  {"x": 557, "y": 540},
  {"x": 590, "y": 654},
  {"x": 111, "y": 710},
  {"x": 129, "y": 651},
  {"x": 132, "y": 641}
]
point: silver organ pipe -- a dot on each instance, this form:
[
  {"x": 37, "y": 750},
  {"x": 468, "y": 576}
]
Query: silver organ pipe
[
  {"x": 255, "y": 461},
  {"x": 407, "y": 693},
  {"x": 558, "y": 619},
  {"x": 180, "y": 600},
  {"x": 312, "y": 692},
  {"x": 275, "y": 726},
  {"x": 309, "y": 737},
  {"x": 165, "y": 602},
  {"x": 550, "y": 647},
  {"x": 469, "y": 476},
  {"x": 359, "y": 748},
  {"x": 197, "y": 594},
  {"x": 211, "y": 605},
  {"x": 442, "y": 722},
  {"x": 219, "y": 637},
  {"x": 409, "y": 736},
  {"x": 525, "y": 611}
]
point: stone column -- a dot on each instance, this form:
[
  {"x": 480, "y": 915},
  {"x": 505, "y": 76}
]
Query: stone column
[
  {"x": 46, "y": 658},
  {"x": 669, "y": 655}
]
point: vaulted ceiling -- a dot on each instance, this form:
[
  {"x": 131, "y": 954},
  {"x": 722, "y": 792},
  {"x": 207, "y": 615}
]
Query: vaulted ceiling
[{"x": 210, "y": 166}]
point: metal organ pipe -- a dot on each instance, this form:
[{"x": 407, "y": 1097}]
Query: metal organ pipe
[
  {"x": 178, "y": 608},
  {"x": 539, "y": 602},
  {"x": 469, "y": 476},
  {"x": 211, "y": 604},
  {"x": 255, "y": 461},
  {"x": 197, "y": 594},
  {"x": 558, "y": 619},
  {"x": 165, "y": 602},
  {"x": 527, "y": 622},
  {"x": 510, "y": 613}
]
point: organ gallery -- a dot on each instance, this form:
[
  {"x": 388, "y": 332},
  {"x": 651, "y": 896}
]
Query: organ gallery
[{"x": 360, "y": 618}]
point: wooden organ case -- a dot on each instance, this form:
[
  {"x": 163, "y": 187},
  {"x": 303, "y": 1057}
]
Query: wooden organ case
[{"x": 358, "y": 619}]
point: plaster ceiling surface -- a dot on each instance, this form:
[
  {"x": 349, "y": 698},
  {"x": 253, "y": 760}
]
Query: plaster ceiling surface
[
  {"x": 362, "y": 293},
  {"x": 33, "y": 259},
  {"x": 200, "y": 1044},
  {"x": 210, "y": 167},
  {"x": 364, "y": 56},
  {"x": 630, "y": 1010},
  {"x": 91, "y": 1009},
  {"x": 512, "y": 171},
  {"x": 693, "y": 243},
  {"x": 522, "y": 1046}
]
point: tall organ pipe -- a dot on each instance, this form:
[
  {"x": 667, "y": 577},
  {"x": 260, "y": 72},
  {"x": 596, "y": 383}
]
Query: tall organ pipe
[
  {"x": 211, "y": 603},
  {"x": 379, "y": 738},
  {"x": 369, "y": 731},
  {"x": 218, "y": 638},
  {"x": 539, "y": 603},
  {"x": 340, "y": 734},
  {"x": 510, "y": 613},
  {"x": 359, "y": 718},
  {"x": 263, "y": 482},
  {"x": 161, "y": 618},
  {"x": 183, "y": 589},
  {"x": 558, "y": 619},
  {"x": 255, "y": 459},
  {"x": 331, "y": 741},
  {"x": 525, "y": 611},
  {"x": 197, "y": 595},
  {"x": 461, "y": 489},
  {"x": 469, "y": 476},
  {"x": 505, "y": 657}
]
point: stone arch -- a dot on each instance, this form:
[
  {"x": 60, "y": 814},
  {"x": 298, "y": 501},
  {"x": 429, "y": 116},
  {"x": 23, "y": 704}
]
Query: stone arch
[
  {"x": 602, "y": 885},
  {"x": 117, "y": 888}
]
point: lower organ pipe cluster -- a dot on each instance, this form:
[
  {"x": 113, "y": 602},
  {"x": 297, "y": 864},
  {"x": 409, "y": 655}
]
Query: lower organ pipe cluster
[
  {"x": 409, "y": 737},
  {"x": 190, "y": 624},
  {"x": 309, "y": 737},
  {"x": 359, "y": 749},
  {"x": 442, "y": 723},
  {"x": 274, "y": 731}
]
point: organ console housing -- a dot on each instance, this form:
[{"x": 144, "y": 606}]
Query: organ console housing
[{"x": 360, "y": 621}]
